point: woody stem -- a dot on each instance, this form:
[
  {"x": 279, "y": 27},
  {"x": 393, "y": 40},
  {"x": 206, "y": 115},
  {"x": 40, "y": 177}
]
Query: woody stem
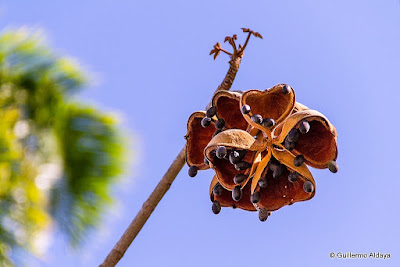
[
  {"x": 164, "y": 184},
  {"x": 148, "y": 207}
]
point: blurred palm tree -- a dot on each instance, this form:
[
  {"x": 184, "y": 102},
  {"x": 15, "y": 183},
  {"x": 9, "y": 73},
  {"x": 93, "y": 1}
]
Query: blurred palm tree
[{"x": 58, "y": 158}]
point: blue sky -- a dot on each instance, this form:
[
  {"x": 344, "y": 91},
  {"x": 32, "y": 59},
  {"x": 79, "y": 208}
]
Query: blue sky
[{"x": 150, "y": 63}]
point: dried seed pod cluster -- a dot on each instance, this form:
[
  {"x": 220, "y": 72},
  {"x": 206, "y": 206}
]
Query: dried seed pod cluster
[{"x": 260, "y": 144}]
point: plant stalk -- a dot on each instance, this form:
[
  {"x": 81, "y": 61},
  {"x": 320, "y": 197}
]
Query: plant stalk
[{"x": 148, "y": 207}]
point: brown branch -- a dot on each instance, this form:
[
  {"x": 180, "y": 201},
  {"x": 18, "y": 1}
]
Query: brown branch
[
  {"x": 165, "y": 183},
  {"x": 148, "y": 207}
]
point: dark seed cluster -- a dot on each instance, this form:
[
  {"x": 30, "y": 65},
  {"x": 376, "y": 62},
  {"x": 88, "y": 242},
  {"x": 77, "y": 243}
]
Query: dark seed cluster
[{"x": 293, "y": 135}]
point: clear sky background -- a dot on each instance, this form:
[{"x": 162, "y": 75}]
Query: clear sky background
[{"x": 150, "y": 63}]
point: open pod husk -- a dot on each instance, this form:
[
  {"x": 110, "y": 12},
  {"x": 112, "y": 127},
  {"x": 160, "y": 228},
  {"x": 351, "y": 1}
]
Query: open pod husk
[
  {"x": 227, "y": 105},
  {"x": 319, "y": 145},
  {"x": 225, "y": 199},
  {"x": 234, "y": 139},
  {"x": 280, "y": 192},
  {"x": 197, "y": 139},
  {"x": 271, "y": 103}
]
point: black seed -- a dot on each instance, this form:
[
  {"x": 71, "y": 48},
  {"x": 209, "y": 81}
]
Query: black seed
[
  {"x": 216, "y": 207},
  {"x": 268, "y": 122},
  {"x": 243, "y": 165},
  {"x": 206, "y": 161},
  {"x": 236, "y": 156},
  {"x": 298, "y": 160},
  {"x": 333, "y": 167},
  {"x": 278, "y": 172},
  {"x": 205, "y": 122},
  {"x": 211, "y": 112},
  {"x": 286, "y": 89},
  {"x": 304, "y": 127},
  {"x": 192, "y": 171},
  {"x": 219, "y": 124},
  {"x": 289, "y": 145},
  {"x": 218, "y": 189},
  {"x": 216, "y": 132},
  {"x": 308, "y": 187},
  {"x": 237, "y": 193},
  {"x": 293, "y": 135},
  {"x": 263, "y": 214},
  {"x": 246, "y": 109},
  {"x": 221, "y": 152},
  {"x": 255, "y": 197},
  {"x": 234, "y": 206},
  {"x": 273, "y": 165},
  {"x": 242, "y": 153},
  {"x": 239, "y": 178},
  {"x": 257, "y": 118},
  {"x": 263, "y": 182},
  {"x": 293, "y": 177}
]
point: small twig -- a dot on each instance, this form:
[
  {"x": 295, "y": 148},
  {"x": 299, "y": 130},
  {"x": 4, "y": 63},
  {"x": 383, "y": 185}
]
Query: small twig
[{"x": 148, "y": 207}]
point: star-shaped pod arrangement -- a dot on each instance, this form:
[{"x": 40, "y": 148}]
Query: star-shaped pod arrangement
[{"x": 259, "y": 144}]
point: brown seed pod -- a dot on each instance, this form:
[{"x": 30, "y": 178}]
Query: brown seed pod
[
  {"x": 227, "y": 108},
  {"x": 281, "y": 192},
  {"x": 318, "y": 146},
  {"x": 197, "y": 139},
  {"x": 279, "y": 105}
]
